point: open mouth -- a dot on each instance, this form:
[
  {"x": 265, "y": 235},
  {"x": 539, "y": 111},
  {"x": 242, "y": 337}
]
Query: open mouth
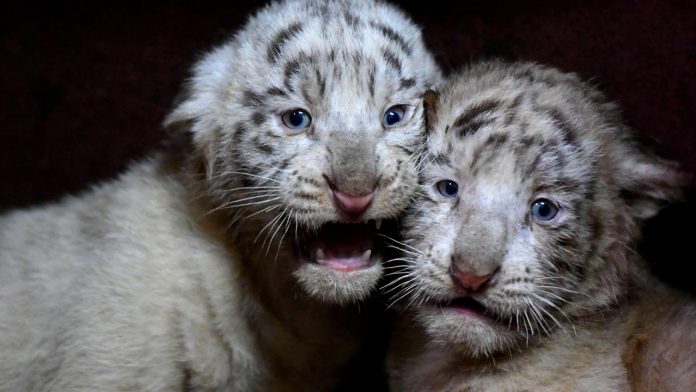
[
  {"x": 470, "y": 307},
  {"x": 343, "y": 246},
  {"x": 467, "y": 305}
]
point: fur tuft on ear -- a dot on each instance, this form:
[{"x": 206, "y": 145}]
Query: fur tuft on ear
[
  {"x": 646, "y": 182},
  {"x": 190, "y": 115},
  {"x": 199, "y": 107},
  {"x": 179, "y": 119},
  {"x": 191, "y": 120}
]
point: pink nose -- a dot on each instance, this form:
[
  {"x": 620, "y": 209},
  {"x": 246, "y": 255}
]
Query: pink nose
[
  {"x": 468, "y": 281},
  {"x": 352, "y": 204}
]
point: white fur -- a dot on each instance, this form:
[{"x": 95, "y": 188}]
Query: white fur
[
  {"x": 119, "y": 289},
  {"x": 178, "y": 275},
  {"x": 569, "y": 305}
]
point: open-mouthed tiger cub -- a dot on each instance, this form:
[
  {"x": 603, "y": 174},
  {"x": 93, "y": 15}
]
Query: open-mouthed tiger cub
[
  {"x": 521, "y": 269},
  {"x": 238, "y": 263}
]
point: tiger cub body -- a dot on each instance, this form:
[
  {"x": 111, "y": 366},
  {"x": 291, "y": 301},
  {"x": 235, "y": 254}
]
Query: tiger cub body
[
  {"x": 520, "y": 271},
  {"x": 239, "y": 262}
]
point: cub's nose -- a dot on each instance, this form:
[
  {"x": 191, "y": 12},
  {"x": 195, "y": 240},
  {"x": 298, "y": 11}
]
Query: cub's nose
[
  {"x": 469, "y": 281},
  {"x": 352, "y": 204}
]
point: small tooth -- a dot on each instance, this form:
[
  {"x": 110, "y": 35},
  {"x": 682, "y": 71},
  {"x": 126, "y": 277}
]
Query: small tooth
[
  {"x": 378, "y": 224},
  {"x": 366, "y": 256},
  {"x": 320, "y": 254}
]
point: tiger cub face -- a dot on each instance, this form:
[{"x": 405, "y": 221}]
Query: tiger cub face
[
  {"x": 308, "y": 121},
  {"x": 532, "y": 194}
]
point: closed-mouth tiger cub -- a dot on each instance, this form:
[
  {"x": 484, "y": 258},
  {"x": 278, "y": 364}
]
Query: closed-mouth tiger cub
[
  {"x": 520, "y": 269},
  {"x": 235, "y": 263}
]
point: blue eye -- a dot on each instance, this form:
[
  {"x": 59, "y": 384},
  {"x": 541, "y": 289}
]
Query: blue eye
[
  {"x": 447, "y": 188},
  {"x": 393, "y": 115},
  {"x": 296, "y": 119},
  {"x": 544, "y": 209}
]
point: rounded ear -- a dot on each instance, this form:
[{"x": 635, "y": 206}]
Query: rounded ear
[
  {"x": 191, "y": 115},
  {"x": 646, "y": 182},
  {"x": 192, "y": 120},
  {"x": 430, "y": 98},
  {"x": 198, "y": 106},
  {"x": 179, "y": 119}
]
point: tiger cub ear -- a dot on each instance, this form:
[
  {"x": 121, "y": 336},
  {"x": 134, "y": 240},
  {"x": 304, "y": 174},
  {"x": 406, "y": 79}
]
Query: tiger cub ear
[
  {"x": 430, "y": 98},
  {"x": 647, "y": 183}
]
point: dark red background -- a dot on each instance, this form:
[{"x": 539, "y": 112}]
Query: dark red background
[{"x": 84, "y": 87}]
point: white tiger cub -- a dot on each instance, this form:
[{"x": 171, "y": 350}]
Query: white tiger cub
[
  {"x": 237, "y": 264},
  {"x": 520, "y": 261}
]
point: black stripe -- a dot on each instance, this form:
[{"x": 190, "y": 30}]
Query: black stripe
[
  {"x": 274, "y": 48},
  {"x": 511, "y": 114},
  {"x": 292, "y": 68},
  {"x": 258, "y": 118},
  {"x": 305, "y": 94},
  {"x": 409, "y": 152},
  {"x": 276, "y": 92},
  {"x": 407, "y": 82},
  {"x": 285, "y": 163},
  {"x": 263, "y": 146},
  {"x": 252, "y": 99},
  {"x": 392, "y": 60},
  {"x": 473, "y": 126},
  {"x": 306, "y": 196},
  {"x": 357, "y": 59},
  {"x": 442, "y": 159},
  {"x": 350, "y": 18},
  {"x": 321, "y": 82},
  {"x": 496, "y": 140},
  {"x": 371, "y": 80},
  {"x": 466, "y": 123},
  {"x": 563, "y": 184},
  {"x": 567, "y": 130},
  {"x": 429, "y": 199},
  {"x": 237, "y": 138},
  {"x": 392, "y": 35}
]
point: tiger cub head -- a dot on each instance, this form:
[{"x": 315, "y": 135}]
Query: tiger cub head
[
  {"x": 532, "y": 193},
  {"x": 308, "y": 121}
]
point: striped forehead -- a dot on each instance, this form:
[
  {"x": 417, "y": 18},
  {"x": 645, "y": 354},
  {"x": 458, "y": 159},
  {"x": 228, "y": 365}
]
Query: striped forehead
[
  {"x": 506, "y": 133},
  {"x": 343, "y": 46}
]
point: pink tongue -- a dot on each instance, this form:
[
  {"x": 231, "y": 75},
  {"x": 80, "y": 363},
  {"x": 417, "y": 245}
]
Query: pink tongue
[
  {"x": 344, "y": 263},
  {"x": 345, "y": 248}
]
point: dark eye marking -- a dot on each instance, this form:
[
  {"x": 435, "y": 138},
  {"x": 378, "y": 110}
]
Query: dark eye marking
[{"x": 252, "y": 99}]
